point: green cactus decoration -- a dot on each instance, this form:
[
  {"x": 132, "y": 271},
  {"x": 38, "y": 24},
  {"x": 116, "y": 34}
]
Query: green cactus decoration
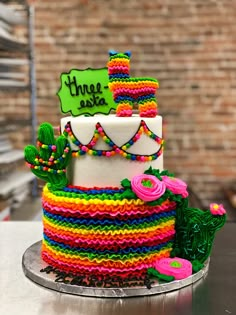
[
  {"x": 49, "y": 161},
  {"x": 195, "y": 232}
]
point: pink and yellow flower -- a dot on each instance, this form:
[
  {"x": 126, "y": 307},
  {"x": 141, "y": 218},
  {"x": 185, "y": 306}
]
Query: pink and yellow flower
[
  {"x": 217, "y": 209},
  {"x": 176, "y": 185},
  {"x": 177, "y": 267},
  {"x": 147, "y": 187}
]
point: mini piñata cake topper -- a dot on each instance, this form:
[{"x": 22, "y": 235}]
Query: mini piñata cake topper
[
  {"x": 127, "y": 90},
  {"x": 86, "y": 92}
]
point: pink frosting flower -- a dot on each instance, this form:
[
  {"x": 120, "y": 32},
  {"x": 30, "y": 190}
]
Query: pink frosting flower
[
  {"x": 217, "y": 209},
  {"x": 147, "y": 187},
  {"x": 179, "y": 268},
  {"x": 176, "y": 185}
]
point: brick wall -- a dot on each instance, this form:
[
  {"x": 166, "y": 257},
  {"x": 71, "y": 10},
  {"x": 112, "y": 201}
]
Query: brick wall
[{"x": 188, "y": 45}]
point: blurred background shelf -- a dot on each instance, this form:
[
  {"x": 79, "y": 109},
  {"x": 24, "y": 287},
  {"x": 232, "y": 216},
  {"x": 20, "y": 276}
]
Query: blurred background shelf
[
  {"x": 11, "y": 16},
  {"x": 16, "y": 76}
]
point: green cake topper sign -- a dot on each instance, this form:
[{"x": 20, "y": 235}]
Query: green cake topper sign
[{"x": 86, "y": 92}]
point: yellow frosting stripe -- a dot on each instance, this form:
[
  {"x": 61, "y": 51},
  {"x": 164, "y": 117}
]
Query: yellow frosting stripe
[
  {"x": 116, "y": 232},
  {"x": 47, "y": 195}
]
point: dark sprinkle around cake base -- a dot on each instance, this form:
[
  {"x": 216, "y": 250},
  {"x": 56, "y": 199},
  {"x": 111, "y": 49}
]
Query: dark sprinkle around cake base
[{"x": 99, "y": 281}]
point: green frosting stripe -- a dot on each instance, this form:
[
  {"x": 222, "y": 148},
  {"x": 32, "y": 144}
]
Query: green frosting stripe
[
  {"x": 110, "y": 227},
  {"x": 103, "y": 196},
  {"x": 105, "y": 255}
]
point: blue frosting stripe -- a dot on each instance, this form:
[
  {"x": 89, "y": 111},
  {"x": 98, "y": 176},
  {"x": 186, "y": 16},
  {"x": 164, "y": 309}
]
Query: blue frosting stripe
[
  {"x": 139, "y": 250},
  {"x": 118, "y": 75},
  {"x": 124, "y": 98},
  {"x": 93, "y": 191},
  {"x": 108, "y": 222}
]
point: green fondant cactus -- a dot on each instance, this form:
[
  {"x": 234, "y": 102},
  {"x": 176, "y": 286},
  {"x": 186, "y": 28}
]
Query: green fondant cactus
[
  {"x": 49, "y": 161},
  {"x": 195, "y": 231}
]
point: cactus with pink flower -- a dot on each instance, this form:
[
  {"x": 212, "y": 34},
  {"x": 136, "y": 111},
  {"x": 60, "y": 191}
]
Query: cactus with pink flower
[{"x": 195, "y": 231}]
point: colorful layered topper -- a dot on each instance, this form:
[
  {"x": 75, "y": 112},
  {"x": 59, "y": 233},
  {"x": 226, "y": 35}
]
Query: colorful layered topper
[
  {"x": 127, "y": 90},
  {"x": 86, "y": 92},
  {"x": 99, "y": 133},
  {"x": 50, "y": 160}
]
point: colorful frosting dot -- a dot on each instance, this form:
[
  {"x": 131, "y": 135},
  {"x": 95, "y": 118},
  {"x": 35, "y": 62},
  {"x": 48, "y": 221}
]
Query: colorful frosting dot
[{"x": 99, "y": 132}]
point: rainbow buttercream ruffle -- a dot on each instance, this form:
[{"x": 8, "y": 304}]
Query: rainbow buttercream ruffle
[{"x": 97, "y": 230}]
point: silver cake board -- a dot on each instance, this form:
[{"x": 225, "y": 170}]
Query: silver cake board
[{"x": 32, "y": 263}]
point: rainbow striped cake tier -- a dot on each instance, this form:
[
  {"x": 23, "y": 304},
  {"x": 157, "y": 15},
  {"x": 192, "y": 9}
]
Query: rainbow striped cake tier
[{"x": 99, "y": 231}]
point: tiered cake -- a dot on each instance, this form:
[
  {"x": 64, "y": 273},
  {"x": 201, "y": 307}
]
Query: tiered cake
[{"x": 109, "y": 208}]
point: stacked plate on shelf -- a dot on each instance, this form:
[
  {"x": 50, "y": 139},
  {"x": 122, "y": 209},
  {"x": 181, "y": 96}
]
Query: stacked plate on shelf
[
  {"x": 12, "y": 67},
  {"x": 15, "y": 179}
]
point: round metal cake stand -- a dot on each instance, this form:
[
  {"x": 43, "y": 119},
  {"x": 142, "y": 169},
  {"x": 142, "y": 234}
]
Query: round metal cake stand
[{"x": 32, "y": 263}]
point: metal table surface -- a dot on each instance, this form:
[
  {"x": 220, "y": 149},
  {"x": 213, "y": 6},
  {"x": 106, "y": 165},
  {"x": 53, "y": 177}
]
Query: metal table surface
[{"x": 216, "y": 294}]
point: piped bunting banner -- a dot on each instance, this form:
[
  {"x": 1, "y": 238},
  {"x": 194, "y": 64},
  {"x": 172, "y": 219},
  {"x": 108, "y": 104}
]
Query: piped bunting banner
[{"x": 86, "y": 92}]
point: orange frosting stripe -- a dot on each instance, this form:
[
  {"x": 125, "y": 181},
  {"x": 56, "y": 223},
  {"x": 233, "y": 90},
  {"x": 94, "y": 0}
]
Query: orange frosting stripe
[{"x": 84, "y": 261}]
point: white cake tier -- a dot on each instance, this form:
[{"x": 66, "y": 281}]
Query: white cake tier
[{"x": 89, "y": 170}]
